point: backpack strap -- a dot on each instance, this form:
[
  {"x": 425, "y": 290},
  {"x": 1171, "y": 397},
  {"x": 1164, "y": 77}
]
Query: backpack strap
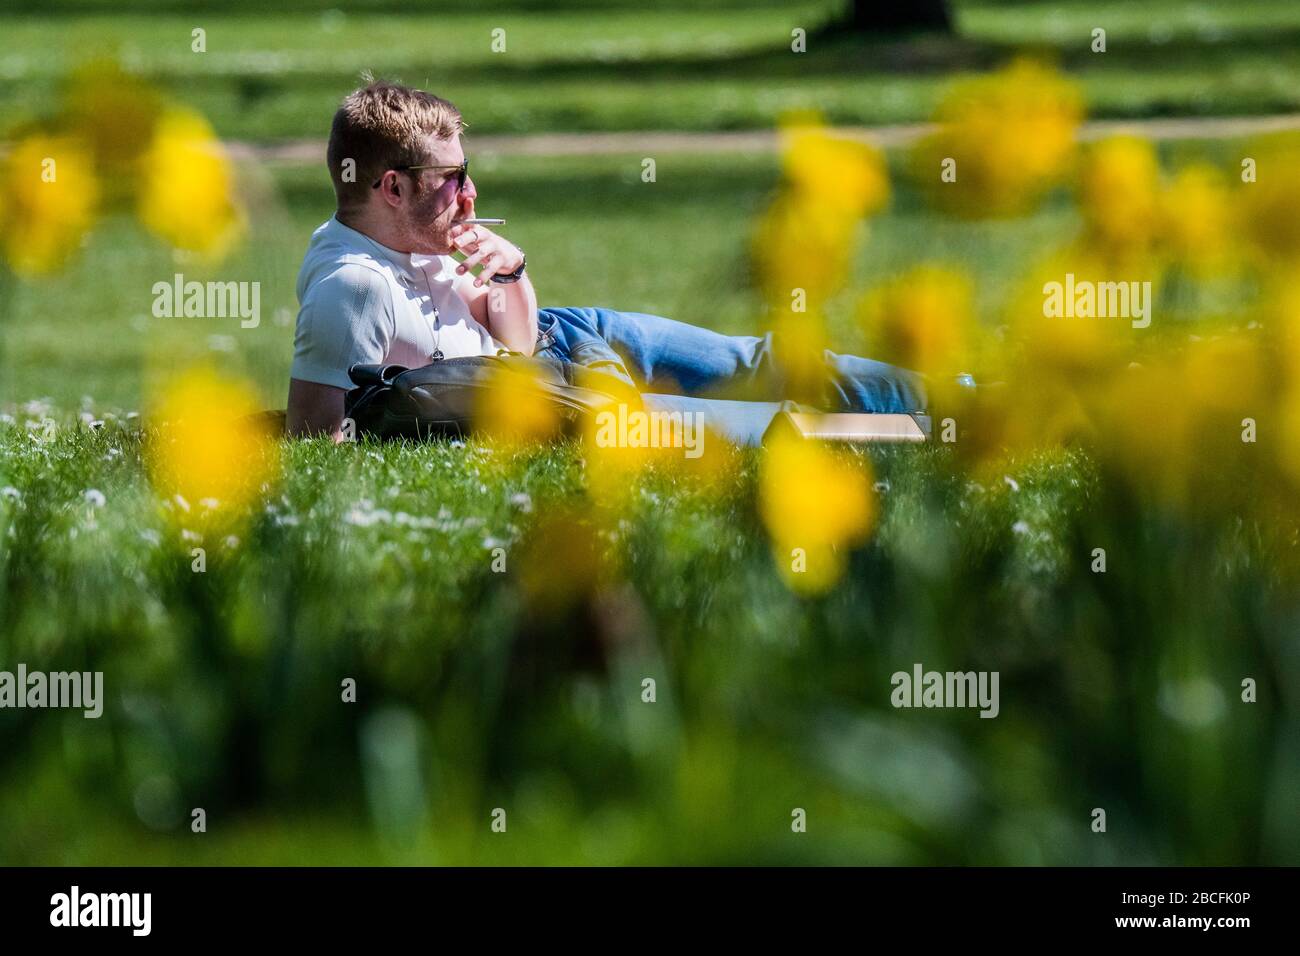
[{"x": 363, "y": 375}]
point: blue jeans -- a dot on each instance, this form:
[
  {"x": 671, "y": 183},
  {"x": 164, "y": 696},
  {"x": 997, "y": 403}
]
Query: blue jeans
[{"x": 683, "y": 367}]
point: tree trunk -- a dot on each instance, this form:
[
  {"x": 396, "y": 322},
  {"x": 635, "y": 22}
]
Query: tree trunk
[{"x": 899, "y": 16}]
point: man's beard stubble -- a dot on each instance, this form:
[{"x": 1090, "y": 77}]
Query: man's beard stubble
[{"x": 429, "y": 222}]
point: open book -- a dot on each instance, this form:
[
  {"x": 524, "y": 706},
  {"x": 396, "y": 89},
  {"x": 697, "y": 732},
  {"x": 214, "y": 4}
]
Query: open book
[{"x": 851, "y": 427}]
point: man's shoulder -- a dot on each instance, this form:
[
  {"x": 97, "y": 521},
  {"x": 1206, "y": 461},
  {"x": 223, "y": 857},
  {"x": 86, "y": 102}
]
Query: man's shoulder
[
  {"x": 344, "y": 271},
  {"x": 352, "y": 269},
  {"x": 335, "y": 257},
  {"x": 345, "y": 290}
]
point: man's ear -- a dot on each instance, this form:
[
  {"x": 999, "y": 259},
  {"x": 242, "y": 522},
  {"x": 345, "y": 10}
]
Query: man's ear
[{"x": 396, "y": 191}]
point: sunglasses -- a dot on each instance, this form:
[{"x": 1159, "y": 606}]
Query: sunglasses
[{"x": 462, "y": 173}]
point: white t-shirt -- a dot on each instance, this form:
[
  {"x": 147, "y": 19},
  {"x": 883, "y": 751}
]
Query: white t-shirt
[{"x": 361, "y": 302}]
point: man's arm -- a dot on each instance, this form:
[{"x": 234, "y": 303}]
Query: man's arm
[
  {"x": 346, "y": 319},
  {"x": 507, "y": 310},
  {"x": 314, "y": 409}
]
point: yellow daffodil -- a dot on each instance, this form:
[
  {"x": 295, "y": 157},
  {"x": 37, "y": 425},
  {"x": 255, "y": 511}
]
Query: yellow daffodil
[
  {"x": 804, "y": 244},
  {"x": 1055, "y": 340},
  {"x": 815, "y": 506},
  {"x": 1196, "y": 221},
  {"x": 207, "y": 458},
  {"x": 48, "y": 199},
  {"x": 802, "y": 251},
  {"x": 1282, "y": 313},
  {"x": 920, "y": 319},
  {"x": 830, "y": 169},
  {"x": 514, "y": 409},
  {"x": 801, "y": 340},
  {"x": 1173, "y": 425},
  {"x": 1119, "y": 197},
  {"x": 187, "y": 186},
  {"x": 1000, "y": 141},
  {"x": 1270, "y": 206},
  {"x": 613, "y": 464}
]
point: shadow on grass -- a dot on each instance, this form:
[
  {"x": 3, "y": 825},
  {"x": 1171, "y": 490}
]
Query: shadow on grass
[{"x": 830, "y": 54}]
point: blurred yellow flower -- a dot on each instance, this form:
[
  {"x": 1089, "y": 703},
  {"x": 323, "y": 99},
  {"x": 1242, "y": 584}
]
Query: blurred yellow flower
[
  {"x": 821, "y": 166},
  {"x": 1059, "y": 357},
  {"x": 1001, "y": 141},
  {"x": 715, "y": 472},
  {"x": 1119, "y": 198},
  {"x": 187, "y": 186},
  {"x": 801, "y": 341},
  {"x": 1270, "y": 206},
  {"x": 1036, "y": 412},
  {"x": 921, "y": 319},
  {"x": 204, "y": 448},
  {"x": 815, "y": 506},
  {"x": 1069, "y": 347},
  {"x": 1196, "y": 222},
  {"x": 514, "y": 409},
  {"x": 626, "y": 440},
  {"x": 1173, "y": 426},
  {"x": 1224, "y": 375},
  {"x": 48, "y": 199},
  {"x": 1146, "y": 428},
  {"x": 613, "y": 469},
  {"x": 804, "y": 245},
  {"x": 802, "y": 251}
]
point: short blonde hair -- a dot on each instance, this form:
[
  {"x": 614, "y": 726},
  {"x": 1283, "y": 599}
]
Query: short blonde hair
[{"x": 380, "y": 127}]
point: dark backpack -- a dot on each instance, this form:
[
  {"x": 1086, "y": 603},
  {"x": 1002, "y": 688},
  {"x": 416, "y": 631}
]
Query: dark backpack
[{"x": 440, "y": 399}]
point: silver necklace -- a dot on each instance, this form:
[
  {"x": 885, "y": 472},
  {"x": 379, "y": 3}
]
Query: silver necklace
[{"x": 437, "y": 355}]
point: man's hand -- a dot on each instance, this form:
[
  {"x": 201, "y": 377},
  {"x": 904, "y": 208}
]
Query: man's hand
[
  {"x": 483, "y": 247},
  {"x": 509, "y": 312}
]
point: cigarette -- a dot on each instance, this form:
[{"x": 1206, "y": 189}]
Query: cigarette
[{"x": 479, "y": 222}]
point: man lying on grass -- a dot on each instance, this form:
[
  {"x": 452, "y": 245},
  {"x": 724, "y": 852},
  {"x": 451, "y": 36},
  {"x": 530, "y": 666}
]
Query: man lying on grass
[{"x": 379, "y": 285}]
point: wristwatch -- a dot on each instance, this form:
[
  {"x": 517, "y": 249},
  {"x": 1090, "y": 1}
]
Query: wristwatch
[{"x": 513, "y": 276}]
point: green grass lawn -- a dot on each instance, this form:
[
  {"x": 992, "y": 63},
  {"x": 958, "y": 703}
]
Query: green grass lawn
[
  {"x": 475, "y": 692},
  {"x": 587, "y": 66}
]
